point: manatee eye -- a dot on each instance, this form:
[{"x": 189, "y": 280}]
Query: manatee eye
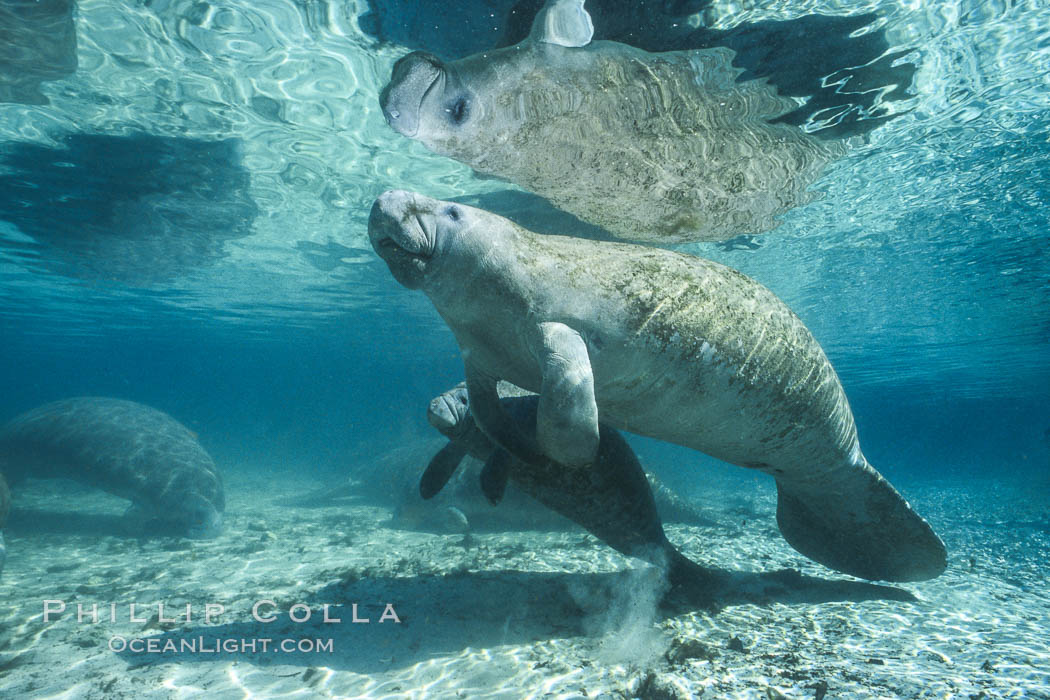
[
  {"x": 453, "y": 213},
  {"x": 457, "y": 111}
]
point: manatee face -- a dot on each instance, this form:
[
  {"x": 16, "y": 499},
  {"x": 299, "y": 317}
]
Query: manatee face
[
  {"x": 196, "y": 518},
  {"x": 448, "y": 410},
  {"x": 192, "y": 504},
  {"x": 202, "y": 520},
  {"x": 410, "y": 233},
  {"x": 426, "y": 101}
]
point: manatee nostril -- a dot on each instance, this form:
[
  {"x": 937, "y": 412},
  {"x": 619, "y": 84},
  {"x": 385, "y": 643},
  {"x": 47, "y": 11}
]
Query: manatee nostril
[{"x": 393, "y": 114}]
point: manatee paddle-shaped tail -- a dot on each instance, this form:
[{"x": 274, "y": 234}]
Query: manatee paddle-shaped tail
[
  {"x": 855, "y": 522},
  {"x": 611, "y": 499},
  {"x": 662, "y": 344}
]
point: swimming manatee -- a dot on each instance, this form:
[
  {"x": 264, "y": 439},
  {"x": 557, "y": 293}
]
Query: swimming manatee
[
  {"x": 662, "y": 344},
  {"x": 126, "y": 449},
  {"x": 449, "y": 413},
  {"x": 658, "y": 148},
  {"x": 611, "y": 500}
]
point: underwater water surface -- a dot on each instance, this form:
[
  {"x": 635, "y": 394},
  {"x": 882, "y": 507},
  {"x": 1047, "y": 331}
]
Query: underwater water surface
[{"x": 184, "y": 198}]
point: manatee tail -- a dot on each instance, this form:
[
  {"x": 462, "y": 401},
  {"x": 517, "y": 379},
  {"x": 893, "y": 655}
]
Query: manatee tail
[
  {"x": 855, "y": 522},
  {"x": 684, "y": 573}
]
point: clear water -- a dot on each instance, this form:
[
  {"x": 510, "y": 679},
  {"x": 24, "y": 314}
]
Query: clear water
[{"x": 261, "y": 318}]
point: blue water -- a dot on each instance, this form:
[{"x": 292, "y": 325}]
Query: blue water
[{"x": 184, "y": 189}]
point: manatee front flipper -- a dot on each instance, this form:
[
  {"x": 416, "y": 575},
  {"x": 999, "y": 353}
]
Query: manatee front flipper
[
  {"x": 567, "y": 418},
  {"x": 494, "y": 421},
  {"x": 855, "y": 522},
  {"x": 494, "y": 476},
  {"x": 441, "y": 468}
]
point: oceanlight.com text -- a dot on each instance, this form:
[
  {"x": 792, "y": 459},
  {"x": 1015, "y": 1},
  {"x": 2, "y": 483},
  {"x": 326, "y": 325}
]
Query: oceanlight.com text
[{"x": 229, "y": 645}]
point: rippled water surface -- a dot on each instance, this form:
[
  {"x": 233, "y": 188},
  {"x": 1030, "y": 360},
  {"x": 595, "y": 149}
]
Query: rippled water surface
[{"x": 924, "y": 258}]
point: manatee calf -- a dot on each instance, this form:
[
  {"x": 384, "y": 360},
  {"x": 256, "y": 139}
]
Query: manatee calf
[
  {"x": 449, "y": 413},
  {"x": 658, "y": 148},
  {"x": 658, "y": 343},
  {"x": 611, "y": 499},
  {"x": 124, "y": 448}
]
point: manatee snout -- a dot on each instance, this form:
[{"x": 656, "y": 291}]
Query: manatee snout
[
  {"x": 400, "y": 229},
  {"x": 447, "y": 410},
  {"x": 410, "y": 81},
  {"x": 393, "y": 214},
  {"x": 439, "y": 414},
  {"x": 204, "y": 521}
]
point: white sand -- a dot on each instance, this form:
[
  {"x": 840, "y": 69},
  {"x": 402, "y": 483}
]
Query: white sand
[{"x": 517, "y": 614}]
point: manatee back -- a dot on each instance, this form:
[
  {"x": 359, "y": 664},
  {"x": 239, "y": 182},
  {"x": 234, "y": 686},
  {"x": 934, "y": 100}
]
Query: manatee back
[
  {"x": 658, "y": 148},
  {"x": 122, "y": 447},
  {"x": 522, "y": 407},
  {"x": 611, "y": 499}
]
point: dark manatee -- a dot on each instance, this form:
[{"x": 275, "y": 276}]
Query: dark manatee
[
  {"x": 611, "y": 500},
  {"x": 124, "y": 448},
  {"x": 659, "y": 343},
  {"x": 450, "y": 414},
  {"x": 5, "y": 508},
  {"x": 658, "y": 148}
]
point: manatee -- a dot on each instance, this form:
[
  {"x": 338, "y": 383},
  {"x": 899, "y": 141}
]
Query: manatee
[
  {"x": 658, "y": 343},
  {"x": 5, "y": 508},
  {"x": 611, "y": 500},
  {"x": 657, "y": 148},
  {"x": 126, "y": 449}
]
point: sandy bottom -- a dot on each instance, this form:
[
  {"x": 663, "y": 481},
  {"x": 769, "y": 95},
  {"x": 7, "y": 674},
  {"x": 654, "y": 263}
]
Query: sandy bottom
[{"x": 510, "y": 614}]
